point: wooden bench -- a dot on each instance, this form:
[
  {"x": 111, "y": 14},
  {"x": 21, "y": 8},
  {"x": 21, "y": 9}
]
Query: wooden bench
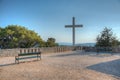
[{"x": 27, "y": 54}]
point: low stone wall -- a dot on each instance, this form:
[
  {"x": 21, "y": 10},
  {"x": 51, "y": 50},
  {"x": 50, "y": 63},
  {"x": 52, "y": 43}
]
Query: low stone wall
[
  {"x": 102, "y": 49},
  {"x": 15, "y": 52},
  {"x": 8, "y": 52},
  {"x": 116, "y": 49}
]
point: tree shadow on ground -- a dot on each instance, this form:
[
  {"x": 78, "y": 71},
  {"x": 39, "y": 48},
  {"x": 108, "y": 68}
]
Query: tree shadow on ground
[{"x": 111, "y": 67}]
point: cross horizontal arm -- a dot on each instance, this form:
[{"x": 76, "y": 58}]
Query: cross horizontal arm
[{"x": 70, "y": 26}]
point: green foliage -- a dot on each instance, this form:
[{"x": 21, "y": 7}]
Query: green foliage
[
  {"x": 107, "y": 39},
  {"x": 51, "y": 42},
  {"x": 14, "y": 36}
]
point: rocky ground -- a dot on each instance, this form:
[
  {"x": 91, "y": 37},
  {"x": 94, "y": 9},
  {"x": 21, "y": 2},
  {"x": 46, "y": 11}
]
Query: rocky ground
[{"x": 75, "y": 65}]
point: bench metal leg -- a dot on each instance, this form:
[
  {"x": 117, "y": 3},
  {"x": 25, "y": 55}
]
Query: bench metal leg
[
  {"x": 17, "y": 59},
  {"x": 40, "y": 56},
  {"x": 37, "y": 57}
]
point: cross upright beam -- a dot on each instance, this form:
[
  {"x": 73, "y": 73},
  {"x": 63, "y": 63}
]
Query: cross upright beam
[{"x": 73, "y": 26}]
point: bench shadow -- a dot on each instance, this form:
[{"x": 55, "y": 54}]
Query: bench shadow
[
  {"x": 9, "y": 64},
  {"x": 110, "y": 67}
]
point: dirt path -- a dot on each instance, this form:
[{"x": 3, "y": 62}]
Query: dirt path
[{"x": 63, "y": 66}]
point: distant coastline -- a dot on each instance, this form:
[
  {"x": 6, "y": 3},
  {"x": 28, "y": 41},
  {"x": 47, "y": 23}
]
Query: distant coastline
[{"x": 79, "y": 44}]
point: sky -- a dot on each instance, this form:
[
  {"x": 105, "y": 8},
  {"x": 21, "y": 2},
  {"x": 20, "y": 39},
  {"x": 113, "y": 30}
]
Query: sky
[{"x": 49, "y": 17}]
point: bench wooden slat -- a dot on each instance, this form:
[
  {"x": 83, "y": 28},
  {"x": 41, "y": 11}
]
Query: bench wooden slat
[
  {"x": 27, "y": 57},
  {"x": 24, "y": 54}
]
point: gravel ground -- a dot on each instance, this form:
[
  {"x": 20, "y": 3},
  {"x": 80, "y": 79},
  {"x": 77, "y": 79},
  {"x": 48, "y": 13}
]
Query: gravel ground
[{"x": 75, "y": 65}]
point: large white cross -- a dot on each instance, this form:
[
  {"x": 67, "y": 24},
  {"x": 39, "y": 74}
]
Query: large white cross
[{"x": 73, "y": 26}]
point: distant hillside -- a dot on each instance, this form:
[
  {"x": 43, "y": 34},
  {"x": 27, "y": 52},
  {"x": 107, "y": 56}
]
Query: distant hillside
[
  {"x": 79, "y": 44},
  {"x": 65, "y": 44},
  {"x": 86, "y": 44}
]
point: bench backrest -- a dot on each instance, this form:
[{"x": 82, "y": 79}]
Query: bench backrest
[{"x": 22, "y": 51}]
